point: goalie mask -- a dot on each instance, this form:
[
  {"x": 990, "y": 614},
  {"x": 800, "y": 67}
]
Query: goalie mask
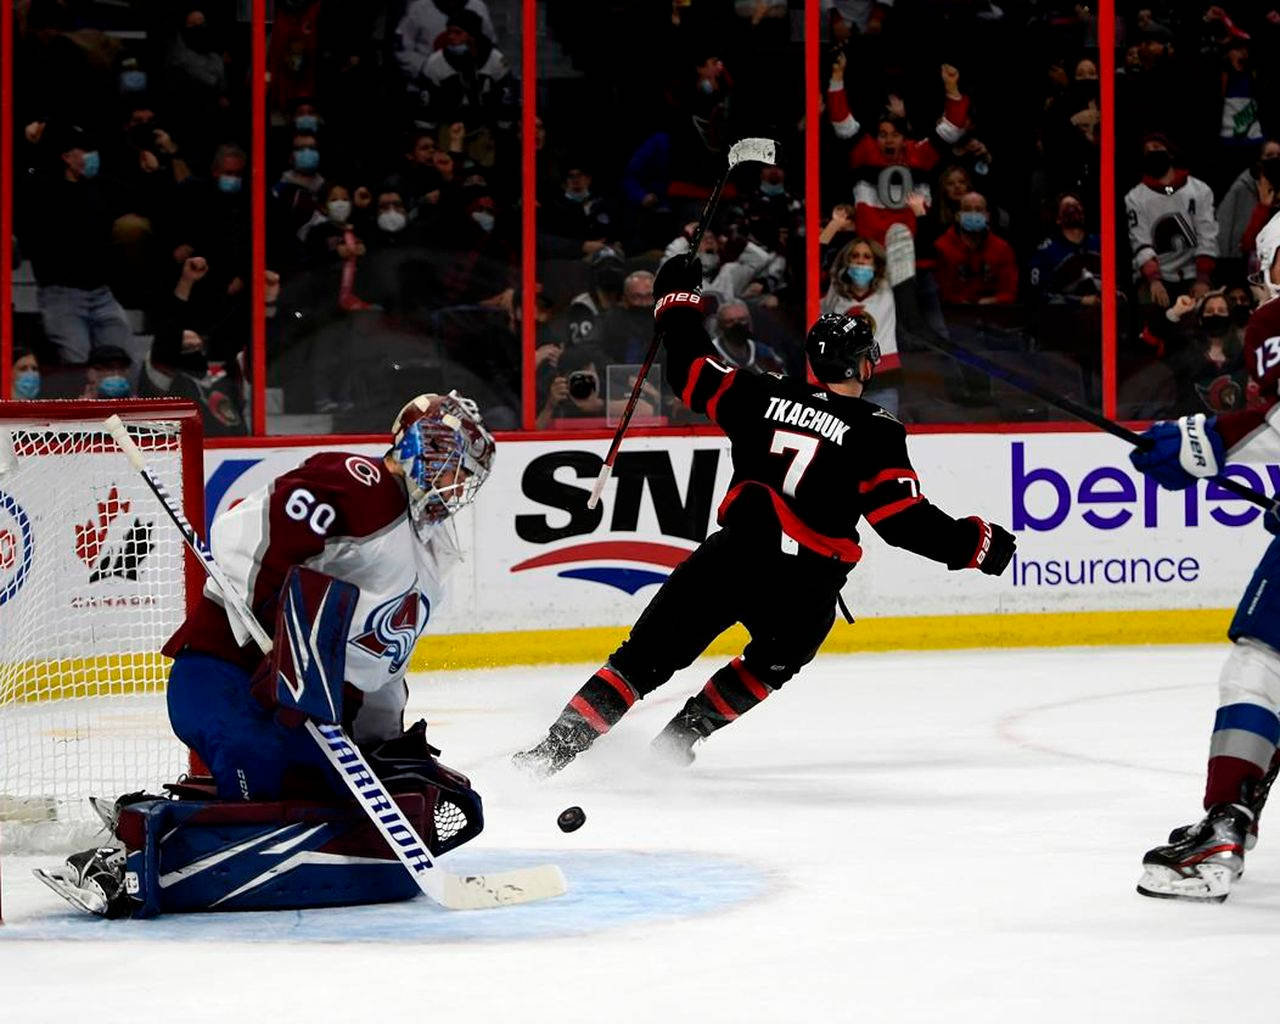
[{"x": 441, "y": 444}]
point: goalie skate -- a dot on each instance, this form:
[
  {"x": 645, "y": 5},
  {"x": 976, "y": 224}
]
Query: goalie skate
[
  {"x": 1203, "y": 862},
  {"x": 92, "y": 881}
]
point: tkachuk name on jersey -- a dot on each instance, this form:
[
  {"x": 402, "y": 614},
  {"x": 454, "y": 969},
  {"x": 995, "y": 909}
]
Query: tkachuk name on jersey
[{"x": 806, "y": 417}]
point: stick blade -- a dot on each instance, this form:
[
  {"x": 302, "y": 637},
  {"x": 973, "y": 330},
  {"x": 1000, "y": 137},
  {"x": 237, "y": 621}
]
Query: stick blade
[
  {"x": 764, "y": 151},
  {"x": 503, "y": 888}
]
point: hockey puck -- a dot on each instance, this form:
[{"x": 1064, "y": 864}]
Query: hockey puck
[{"x": 571, "y": 819}]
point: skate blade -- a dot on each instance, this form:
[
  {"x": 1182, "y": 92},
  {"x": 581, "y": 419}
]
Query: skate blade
[
  {"x": 81, "y": 899},
  {"x": 1210, "y": 884}
]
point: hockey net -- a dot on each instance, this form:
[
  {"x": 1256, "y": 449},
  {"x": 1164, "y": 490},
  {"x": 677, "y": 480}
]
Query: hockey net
[{"x": 93, "y": 580}]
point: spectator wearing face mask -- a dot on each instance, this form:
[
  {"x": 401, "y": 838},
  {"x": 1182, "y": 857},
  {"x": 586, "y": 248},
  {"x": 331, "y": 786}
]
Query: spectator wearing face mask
[
  {"x": 974, "y": 266},
  {"x": 178, "y": 367},
  {"x": 858, "y": 284},
  {"x": 483, "y": 268},
  {"x": 332, "y": 244},
  {"x": 65, "y": 227},
  {"x": 25, "y": 375},
  {"x": 213, "y": 220},
  {"x": 1172, "y": 231},
  {"x": 577, "y": 222},
  {"x": 195, "y": 78},
  {"x": 467, "y": 80},
  {"x": 107, "y": 374},
  {"x": 732, "y": 268},
  {"x": 627, "y": 329},
  {"x": 1066, "y": 269},
  {"x": 1241, "y": 302},
  {"x": 297, "y": 196},
  {"x": 424, "y": 22},
  {"x": 1242, "y": 102},
  {"x": 587, "y": 309},
  {"x": 903, "y": 194},
  {"x": 1204, "y": 350},
  {"x": 735, "y": 345},
  {"x": 1070, "y": 131}
]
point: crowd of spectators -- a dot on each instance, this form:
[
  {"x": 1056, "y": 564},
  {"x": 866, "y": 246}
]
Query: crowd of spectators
[
  {"x": 960, "y": 165},
  {"x": 985, "y": 147},
  {"x": 130, "y": 207}
]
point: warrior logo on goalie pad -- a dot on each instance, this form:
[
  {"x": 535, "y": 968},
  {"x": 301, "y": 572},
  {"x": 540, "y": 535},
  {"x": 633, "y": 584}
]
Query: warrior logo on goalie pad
[{"x": 394, "y": 626}]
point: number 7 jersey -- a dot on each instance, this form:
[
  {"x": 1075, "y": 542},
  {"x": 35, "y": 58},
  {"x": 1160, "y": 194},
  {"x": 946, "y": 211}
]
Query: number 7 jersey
[{"x": 810, "y": 464}]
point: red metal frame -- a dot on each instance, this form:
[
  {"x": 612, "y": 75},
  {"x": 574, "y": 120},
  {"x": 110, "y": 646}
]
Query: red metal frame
[
  {"x": 812, "y": 158},
  {"x": 6, "y": 197},
  {"x": 528, "y": 210},
  {"x": 1107, "y": 194},
  {"x": 258, "y": 175}
]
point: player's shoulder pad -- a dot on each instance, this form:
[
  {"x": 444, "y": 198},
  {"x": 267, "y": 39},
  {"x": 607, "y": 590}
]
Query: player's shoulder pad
[{"x": 360, "y": 488}]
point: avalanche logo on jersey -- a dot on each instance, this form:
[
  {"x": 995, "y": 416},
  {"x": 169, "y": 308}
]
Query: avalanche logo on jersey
[{"x": 394, "y": 626}]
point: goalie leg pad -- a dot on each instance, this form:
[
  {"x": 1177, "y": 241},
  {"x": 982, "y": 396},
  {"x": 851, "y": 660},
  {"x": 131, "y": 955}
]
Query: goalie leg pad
[{"x": 191, "y": 856}]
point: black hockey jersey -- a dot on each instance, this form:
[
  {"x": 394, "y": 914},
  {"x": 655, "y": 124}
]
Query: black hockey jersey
[{"x": 809, "y": 462}]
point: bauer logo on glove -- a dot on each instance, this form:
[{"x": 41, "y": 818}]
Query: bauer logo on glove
[{"x": 1181, "y": 452}]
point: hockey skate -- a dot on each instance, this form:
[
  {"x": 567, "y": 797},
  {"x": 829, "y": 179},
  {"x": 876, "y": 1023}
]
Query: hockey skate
[
  {"x": 1205, "y": 859},
  {"x": 93, "y": 881},
  {"x": 676, "y": 742},
  {"x": 564, "y": 741}
]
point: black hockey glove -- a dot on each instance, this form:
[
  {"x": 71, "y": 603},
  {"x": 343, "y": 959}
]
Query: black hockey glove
[
  {"x": 996, "y": 546},
  {"x": 678, "y": 285}
]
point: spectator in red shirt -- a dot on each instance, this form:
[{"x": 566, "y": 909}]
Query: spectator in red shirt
[
  {"x": 889, "y": 169},
  {"x": 974, "y": 266}
]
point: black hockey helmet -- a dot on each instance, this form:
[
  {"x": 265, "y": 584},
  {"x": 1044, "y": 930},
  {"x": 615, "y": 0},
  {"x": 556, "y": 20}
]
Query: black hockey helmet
[{"x": 836, "y": 342}]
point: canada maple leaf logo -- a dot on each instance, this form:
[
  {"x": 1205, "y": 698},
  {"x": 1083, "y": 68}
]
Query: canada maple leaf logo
[{"x": 123, "y": 560}]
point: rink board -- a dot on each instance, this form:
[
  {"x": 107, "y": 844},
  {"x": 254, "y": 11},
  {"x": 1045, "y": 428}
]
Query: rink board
[{"x": 546, "y": 579}]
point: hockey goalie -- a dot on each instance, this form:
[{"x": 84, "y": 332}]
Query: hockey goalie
[{"x": 343, "y": 559}]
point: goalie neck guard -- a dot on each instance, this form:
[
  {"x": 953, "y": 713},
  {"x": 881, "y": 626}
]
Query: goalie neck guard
[{"x": 446, "y": 453}]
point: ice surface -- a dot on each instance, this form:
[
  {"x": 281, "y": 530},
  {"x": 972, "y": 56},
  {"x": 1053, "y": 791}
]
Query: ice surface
[{"x": 933, "y": 837}]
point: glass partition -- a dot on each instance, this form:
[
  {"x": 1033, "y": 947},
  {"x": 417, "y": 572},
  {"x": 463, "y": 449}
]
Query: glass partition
[
  {"x": 1197, "y": 176},
  {"x": 392, "y": 211},
  {"x": 132, "y": 233},
  {"x": 960, "y": 153},
  {"x": 638, "y": 106}
]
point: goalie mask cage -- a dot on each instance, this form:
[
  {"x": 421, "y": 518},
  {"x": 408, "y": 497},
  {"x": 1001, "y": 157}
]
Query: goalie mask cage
[{"x": 93, "y": 580}]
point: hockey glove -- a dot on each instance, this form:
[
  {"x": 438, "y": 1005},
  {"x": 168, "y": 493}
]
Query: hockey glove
[
  {"x": 678, "y": 285},
  {"x": 1271, "y": 517},
  {"x": 1182, "y": 452},
  {"x": 995, "y": 548}
]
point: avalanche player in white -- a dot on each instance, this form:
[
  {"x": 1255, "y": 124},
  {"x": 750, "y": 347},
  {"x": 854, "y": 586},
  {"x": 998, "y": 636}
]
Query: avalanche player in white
[
  {"x": 1201, "y": 861},
  {"x": 379, "y": 523}
]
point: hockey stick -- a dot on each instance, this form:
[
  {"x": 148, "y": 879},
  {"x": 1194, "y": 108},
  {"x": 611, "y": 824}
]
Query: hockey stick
[
  {"x": 764, "y": 151},
  {"x": 1074, "y": 408},
  {"x": 453, "y": 892}
]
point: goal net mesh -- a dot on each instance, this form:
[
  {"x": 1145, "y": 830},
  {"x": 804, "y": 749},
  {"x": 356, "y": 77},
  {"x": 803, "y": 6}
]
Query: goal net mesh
[{"x": 91, "y": 585}]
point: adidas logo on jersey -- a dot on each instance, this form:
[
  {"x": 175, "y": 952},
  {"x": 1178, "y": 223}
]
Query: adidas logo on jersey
[{"x": 807, "y": 418}]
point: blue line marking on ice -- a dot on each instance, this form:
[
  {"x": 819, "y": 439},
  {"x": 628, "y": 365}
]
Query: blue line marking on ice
[
  {"x": 607, "y": 889},
  {"x": 629, "y": 580}
]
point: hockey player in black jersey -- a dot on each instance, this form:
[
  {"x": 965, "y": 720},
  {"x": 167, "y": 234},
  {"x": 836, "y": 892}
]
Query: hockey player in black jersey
[{"x": 809, "y": 461}]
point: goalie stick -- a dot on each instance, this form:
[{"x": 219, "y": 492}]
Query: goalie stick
[
  {"x": 453, "y": 892},
  {"x": 764, "y": 151}
]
